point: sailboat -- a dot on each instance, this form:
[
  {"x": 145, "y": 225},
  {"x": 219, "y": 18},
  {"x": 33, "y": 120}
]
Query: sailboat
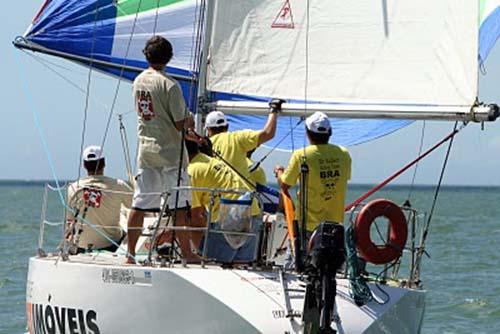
[{"x": 373, "y": 67}]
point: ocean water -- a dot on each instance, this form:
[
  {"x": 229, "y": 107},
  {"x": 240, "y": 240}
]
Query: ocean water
[{"x": 462, "y": 276}]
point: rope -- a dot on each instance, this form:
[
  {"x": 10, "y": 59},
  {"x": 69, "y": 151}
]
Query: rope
[
  {"x": 359, "y": 290},
  {"x": 41, "y": 133},
  {"x": 402, "y": 170}
]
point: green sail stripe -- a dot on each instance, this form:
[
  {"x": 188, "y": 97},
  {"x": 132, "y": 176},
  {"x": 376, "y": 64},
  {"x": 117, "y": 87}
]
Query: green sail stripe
[{"x": 130, "y": 7}]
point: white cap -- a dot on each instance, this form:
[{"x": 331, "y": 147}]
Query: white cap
[
  {"x": 215, "y": 119},
  {"x": 92, "y": 153},
  {"x": 318, "y": 123}
]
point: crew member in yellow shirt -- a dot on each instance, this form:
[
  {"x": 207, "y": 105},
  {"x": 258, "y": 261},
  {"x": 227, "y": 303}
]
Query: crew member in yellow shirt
[
  {"x": 208, "y": 172},
  {"x": 329, "y": 171},
  {"x": 233, "y": 146}
]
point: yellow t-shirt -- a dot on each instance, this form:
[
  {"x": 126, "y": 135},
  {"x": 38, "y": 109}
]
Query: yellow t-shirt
[
  {"x": 329, "y": 170},
  {"x": 159, "y": 104},
  {"x": 258, "y": 175},
  {"x": 233, "y": 147},
  {"x": 212, "y": 173},
  {"x": 103, "y": 197}
]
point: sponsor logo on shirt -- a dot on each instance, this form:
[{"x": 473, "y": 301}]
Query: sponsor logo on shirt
[
  {"x": 145, "y": 105},
  {"x": 92, "y": 197}
]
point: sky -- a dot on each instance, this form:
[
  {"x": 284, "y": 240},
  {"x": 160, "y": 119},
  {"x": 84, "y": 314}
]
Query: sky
[{"x": 36, "y": 100}]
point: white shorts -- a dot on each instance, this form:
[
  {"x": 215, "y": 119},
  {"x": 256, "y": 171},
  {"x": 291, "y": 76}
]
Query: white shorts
[{"x": 151, "y": 183}]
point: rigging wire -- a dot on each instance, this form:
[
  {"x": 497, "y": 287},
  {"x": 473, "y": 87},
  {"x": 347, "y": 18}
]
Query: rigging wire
[
  {"x": 87, "y": 96},
  {"x": 126, "y": 150},
  {"x": 422, "y": 136},
  {"x": 156, "y": 17},
  {"x": 256, "y": 164},
  {"x": 195, "y": 54},
  {"x": 41, "y": 134},
  {"x": 122, "y": 72},
  {"x": 47, "y": 64},
  {"x": 436, "y": 194}
]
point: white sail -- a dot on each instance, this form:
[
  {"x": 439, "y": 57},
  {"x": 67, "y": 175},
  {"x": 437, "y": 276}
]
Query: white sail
[{"x": 382, "y": 52}]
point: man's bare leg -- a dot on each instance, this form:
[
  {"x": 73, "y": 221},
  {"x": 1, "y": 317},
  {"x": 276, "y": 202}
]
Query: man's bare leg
[
  {"x": 186, "y": 236},
  {"x": 134, "y": 225}
]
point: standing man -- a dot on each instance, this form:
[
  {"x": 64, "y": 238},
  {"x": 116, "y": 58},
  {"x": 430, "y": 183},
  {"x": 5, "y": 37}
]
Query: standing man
[
  {"x": 97, "y": 199},
  {"x": 329, "y": 170},
  {"x": 233, "y": 146},
  {"x": 162, "y": 118}
]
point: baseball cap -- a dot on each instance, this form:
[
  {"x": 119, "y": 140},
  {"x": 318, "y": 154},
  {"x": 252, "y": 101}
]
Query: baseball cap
[
  {"x": 318, "y": 123},
  {"x": 92, "y": 153},
  {"x": 215, "y": 119}
]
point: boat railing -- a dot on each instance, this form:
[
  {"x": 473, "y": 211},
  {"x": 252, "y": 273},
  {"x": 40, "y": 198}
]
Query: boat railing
[
  {"x": 214, "y": 193},
  {"x": 406, "y": 269},
  {"x": 160, "y": 224}
]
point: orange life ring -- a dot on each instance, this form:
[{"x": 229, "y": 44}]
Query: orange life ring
[{"x": 398, "y": 231}]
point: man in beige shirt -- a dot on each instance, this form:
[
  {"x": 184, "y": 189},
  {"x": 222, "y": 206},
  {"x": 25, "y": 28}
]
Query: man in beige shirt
[
  {"x": 162, "y": 116},
  {"x": 96, "y": 200}
]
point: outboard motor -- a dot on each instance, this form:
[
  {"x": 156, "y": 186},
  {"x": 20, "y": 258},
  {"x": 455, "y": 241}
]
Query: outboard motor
[{"x": 326, "y": 255}]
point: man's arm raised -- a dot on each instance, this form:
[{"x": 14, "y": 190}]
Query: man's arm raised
[{"x": 269, "y": 129}]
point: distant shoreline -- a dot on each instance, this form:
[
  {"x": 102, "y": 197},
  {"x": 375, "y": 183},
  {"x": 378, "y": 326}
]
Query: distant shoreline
[{"x": 30, "y": 183}]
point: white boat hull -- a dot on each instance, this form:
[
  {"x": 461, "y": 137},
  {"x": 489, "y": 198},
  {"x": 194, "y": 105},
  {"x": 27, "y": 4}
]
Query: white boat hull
[{"x": 99, "y": 295}]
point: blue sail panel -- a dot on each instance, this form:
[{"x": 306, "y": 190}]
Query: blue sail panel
[
  {"x": 346, "y": 132},
  {"x": 489, "y": 33},
  {"x": 85, "y": 28}
]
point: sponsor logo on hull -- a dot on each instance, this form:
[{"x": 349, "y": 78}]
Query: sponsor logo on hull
[{"x": 49, "y": 319}]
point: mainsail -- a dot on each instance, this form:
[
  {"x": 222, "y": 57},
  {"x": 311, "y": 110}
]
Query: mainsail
[{"x": 382, "y": 55}]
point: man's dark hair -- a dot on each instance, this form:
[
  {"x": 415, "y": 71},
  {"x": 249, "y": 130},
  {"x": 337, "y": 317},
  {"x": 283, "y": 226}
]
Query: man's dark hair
[
  {"x": 158, "y": 50},
  {"x": 94, "y": 166},
  {"x": 192, "y": 147},
  {"x": 207, "y": 147},
  {"x": 319, "y": 138},
  {"x": 219, "y": 129}
]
